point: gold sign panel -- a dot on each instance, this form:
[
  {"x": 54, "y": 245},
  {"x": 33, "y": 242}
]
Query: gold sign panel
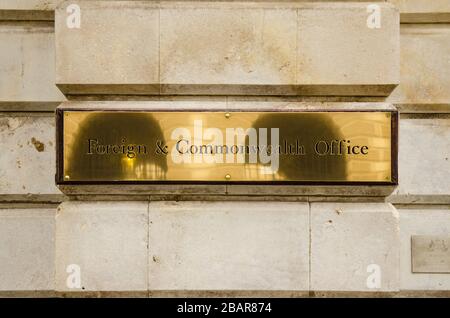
[{"x": 111, "y": 146}]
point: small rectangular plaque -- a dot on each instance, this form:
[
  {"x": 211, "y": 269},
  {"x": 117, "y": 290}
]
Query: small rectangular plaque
[
  {"x": 430, "y": 254},
  {"x": 139, "y": 146}
]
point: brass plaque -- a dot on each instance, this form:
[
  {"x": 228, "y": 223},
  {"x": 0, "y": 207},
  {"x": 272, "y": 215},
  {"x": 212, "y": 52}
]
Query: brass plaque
[
  {"x": 430, "y": 254},
  {"x": 262, "y": 147}
]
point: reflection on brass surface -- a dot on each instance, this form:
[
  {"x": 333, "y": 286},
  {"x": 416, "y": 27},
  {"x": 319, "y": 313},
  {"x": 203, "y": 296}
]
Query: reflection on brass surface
[{"x": 324, "y": 147}]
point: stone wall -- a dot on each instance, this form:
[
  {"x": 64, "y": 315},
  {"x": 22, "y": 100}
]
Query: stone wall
[{"x": 222, "y": 239}]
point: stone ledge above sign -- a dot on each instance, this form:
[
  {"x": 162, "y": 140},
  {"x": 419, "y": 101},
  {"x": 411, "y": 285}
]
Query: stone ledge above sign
[
  {"x": 227, "y": 48},
  {"x": 27, "y": 69}
]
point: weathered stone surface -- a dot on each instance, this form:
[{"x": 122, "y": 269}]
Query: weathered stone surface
[
  {"x": 27, "y": 68},
  {"x": 115, "y": 50},
  {"x": 351, "y": 240},
  {"x": 228, "y": 246},
  {"x": 336, "y": 47},
  {"x": 424, "y": 159},
  {"x": 27, "y": 163},
  {"x": 27, "y": 249},
  {"x": 107, "y": 240},
  {"x": 220, "y": 48},
  {"x": 425, "y": 66},
  {"x": 421, "y": 221},
  {"x": 205, "y": 46},
  {"x": 420, "y": 11}
]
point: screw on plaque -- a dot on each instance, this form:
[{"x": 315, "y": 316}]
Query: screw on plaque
[
  {"x": 227, "y": 115},
  {"x": 228, "y": 177},
  {"x": 67, "y": 177}
]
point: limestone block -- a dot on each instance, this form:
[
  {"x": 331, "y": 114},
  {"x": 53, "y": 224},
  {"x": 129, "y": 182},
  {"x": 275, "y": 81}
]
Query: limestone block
[
  {"x": 421, "y": 221},
  {"x": 27, "y": 67},
  {"x": 423, "y": 11},
  {"x": 336, "y": 47},
  {"x": 424, "y": 159},
  {"x": 27, "y": 163},
  {"x": 351, "y": 243},
  {"x": 425, "y": 66},
  {"x": 115, "y": 50},
  {"x": 107, "y": 240},
  {"x": 27, "y": 249},
  {"x": 227, "y": 47},
  {"x": 228, "y": 246}
]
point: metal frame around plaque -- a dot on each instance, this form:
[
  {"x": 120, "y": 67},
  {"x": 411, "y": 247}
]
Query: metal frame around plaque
[{"x": 285, "y": 117}]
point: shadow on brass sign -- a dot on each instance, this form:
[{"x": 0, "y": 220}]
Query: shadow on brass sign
[{"x": 308, "y": 147}]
